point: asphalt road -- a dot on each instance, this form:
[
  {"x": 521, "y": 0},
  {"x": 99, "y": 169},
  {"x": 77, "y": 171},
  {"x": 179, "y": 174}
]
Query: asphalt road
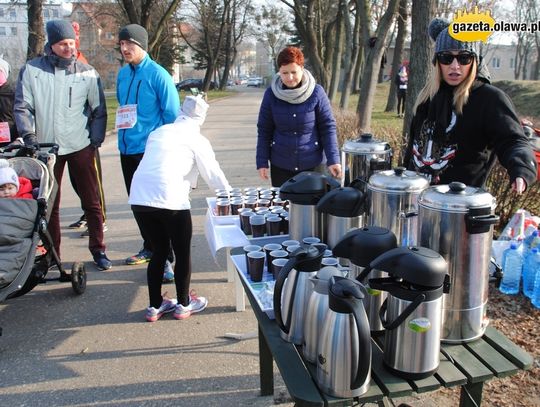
[{"x": 60, "y": 349}]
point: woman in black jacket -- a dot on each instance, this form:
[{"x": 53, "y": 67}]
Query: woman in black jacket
[{"x": 461, "y": 123}]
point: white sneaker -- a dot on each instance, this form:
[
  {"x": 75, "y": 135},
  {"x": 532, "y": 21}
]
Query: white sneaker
[
  {"x": 167, "y": 305},
  {"x": 196, "y": 304}
]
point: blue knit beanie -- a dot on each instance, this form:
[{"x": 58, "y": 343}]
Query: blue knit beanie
[
  {"x": 438, "y": 31},
  {"x": 58, "y": 30}
]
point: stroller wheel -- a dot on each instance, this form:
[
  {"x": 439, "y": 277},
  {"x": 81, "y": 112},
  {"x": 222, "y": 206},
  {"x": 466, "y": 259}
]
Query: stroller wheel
[{"x": 78, "y": 278}]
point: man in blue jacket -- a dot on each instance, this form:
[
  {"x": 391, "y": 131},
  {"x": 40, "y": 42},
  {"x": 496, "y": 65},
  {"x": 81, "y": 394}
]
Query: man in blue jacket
[{"x": 147, "y": 99}]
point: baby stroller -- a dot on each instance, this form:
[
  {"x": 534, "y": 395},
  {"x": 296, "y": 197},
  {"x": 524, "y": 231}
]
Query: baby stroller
[{"x": 23, "y": 224}]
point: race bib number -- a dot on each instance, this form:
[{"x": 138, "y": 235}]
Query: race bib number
[
  {"x": 5, "y": 136},
  {"x": 126, "y": 117}
]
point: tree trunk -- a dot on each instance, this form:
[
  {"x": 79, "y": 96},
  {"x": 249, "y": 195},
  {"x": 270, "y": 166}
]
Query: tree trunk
[
  {"x": 338, "y": 51},
  {"x": 36, "y": 36},
  {"x": 421, "y": 55},
  {"x": 373, "y": 63},
  {"x": 349, "y": 58},
  {"x": 398, "y": 55}
]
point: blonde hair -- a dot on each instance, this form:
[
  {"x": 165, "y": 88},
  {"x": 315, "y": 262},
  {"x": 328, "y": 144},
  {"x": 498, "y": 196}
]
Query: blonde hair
[{"x": 461, "y": 92}]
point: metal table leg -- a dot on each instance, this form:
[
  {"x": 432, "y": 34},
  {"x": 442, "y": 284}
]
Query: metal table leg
[{"x": 266, "y": 366}]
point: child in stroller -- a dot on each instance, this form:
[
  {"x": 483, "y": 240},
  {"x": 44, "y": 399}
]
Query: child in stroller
[
  {"x": 23, "y": 223},
  {"x": 13, "y": 186}
]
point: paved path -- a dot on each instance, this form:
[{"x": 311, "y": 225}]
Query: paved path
[{"x": 59, "y": 349}]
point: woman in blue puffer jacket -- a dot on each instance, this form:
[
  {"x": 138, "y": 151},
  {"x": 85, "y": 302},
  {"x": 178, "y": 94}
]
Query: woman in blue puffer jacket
[{"x": 296, "y": 125}]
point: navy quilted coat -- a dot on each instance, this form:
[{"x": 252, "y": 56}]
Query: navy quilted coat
[{"x": 294, "y": 136}]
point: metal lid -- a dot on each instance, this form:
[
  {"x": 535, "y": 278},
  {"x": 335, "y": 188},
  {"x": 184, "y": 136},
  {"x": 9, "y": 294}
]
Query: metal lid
[
  {"x": 455, "y": 197},
  {"x": 397, "y": 180},
  {"x": 366, "y": 144}
]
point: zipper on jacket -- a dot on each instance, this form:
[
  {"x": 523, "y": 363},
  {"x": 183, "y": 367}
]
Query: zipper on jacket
[
  {"x": 70, "y": 89},
  {"x": 125, "y": 103}
]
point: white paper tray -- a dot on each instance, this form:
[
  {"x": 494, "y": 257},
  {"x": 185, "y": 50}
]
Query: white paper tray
[
  {"x": 239, "y": 261},
  {"x": 220, "y": 220}
]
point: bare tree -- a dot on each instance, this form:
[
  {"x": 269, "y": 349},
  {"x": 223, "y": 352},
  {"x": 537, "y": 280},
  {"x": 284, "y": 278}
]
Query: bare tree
[
  {"x": 237, "y": 21},
  {"x": 375, "y": 49},
  {"x": 422, "y": 12},
  {"x": 312, "y": 19},
  {"x": 398, "y": 53},
  {"x": 338, "y": 50},
  {"x": 36, "y": 36},
  {"x": 210, "y": 20},
  {"x": 149, "y": 14},
  {"x": 272, "y": 28},
  {"x": 352, "y": 37}
]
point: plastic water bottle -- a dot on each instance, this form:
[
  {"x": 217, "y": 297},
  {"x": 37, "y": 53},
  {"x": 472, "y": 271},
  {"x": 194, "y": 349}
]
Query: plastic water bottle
[
  {"x": 532, "y": 240},
  {"x": 531, "y": 265},
  {"x": 535, "y": 299},
  {"x": 512, "y": 265}
]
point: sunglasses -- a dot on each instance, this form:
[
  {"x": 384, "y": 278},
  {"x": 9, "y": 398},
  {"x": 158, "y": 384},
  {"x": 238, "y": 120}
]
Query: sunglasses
[{"x": 463, "y": 58}]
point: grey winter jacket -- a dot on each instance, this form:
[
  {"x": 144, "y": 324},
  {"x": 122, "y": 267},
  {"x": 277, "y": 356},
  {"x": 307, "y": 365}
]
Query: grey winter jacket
[{"x": 60, "y": 101}]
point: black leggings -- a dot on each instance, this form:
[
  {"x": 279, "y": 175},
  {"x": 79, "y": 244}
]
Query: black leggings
[{"x": 163, "y": 226}]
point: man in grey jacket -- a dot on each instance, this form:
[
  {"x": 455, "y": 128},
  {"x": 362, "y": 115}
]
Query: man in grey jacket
[{"x": 60, "y": 100}]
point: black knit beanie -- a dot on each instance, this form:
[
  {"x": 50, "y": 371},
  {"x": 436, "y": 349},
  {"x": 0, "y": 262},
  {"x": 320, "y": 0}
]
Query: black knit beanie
[
  {"x": 438, "y": 31},
  {"x": 135, "y": 34},
  {"x": 58, "y": 30}
]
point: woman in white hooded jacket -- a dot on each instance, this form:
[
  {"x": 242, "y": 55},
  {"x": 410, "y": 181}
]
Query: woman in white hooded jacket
[{"x": 175, "y": 154}]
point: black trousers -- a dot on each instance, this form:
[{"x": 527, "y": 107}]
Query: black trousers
[
  {"x": 401, "y": 97},
  {"x": 129, "y": 165},
  {"x": 164, "y": 228},
  {"x": 279, "y": 176}
]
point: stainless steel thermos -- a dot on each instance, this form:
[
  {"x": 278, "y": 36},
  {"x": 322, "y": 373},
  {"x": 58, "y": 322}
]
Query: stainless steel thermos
[
  {"x": 361, "y": 247},
  {"x": 457, "y": 221},
  {"x": 411, "y": 314},
  {"x": 344, "y": 351},
  {"x": 293, "y": 289},
  {"x": 393, "y": 202}
]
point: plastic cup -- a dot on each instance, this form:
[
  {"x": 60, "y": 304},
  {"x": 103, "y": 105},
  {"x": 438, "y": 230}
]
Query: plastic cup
[
  {"x": 311, "y": 240},
  {"x": 235, "y": 205},
  {"x": 244, "y": 221},
  {"x": 256, "y": 265},
  {"x": 258, "y": 225},
  {"x": 290, "y": 242},
  {"x": 250, "y": 202},
  {"x": 330, "y": 261},
  {"x": 250, "y": 248},
  {"x": 273, "y": 225},
  {"x": 276, "y": 254},
  {"x": 223, "y": 207},
  {"x": 268, "y": 248},
  {"x": 277, "y": 265},
  {"x": 263, "y": 202},
  {"x": 292, "y": 249}
]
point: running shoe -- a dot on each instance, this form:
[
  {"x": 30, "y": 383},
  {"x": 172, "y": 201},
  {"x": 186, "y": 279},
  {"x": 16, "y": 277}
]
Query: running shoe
[
  {"x": 168, "y": 273},
  {"x": 86, "y": 233},
  {"x": 167, "y": 305},
  {"x": 101, "y": 261},
  {"x": 196, "y": 304},
  {"x": 140, "y": 258},
  {"x": 81, "y": 223}
]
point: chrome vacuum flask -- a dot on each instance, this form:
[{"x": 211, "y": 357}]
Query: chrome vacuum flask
[
  {"x": 293, "y": 289},
  {"x": 457, "y": 221},
  {"x": 362, "y": 157},
  {"x": 361, "y": 247},
  {"x": 344, "y": 351},
  {"x": 411, "y": 313},
  {"x": 303, "y": 192},
  {"x": 393, "y": 202}
]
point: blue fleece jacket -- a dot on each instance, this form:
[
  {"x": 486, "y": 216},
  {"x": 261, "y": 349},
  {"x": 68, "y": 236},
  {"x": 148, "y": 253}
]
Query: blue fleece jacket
[
  {"x": 151, "y": 88},
  {"x": 294, "y": 136}
]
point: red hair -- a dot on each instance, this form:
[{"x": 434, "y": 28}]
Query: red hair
[{"x": 290, "y": 55}]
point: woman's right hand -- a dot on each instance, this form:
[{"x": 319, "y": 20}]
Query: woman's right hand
[{"x": 263, "y": 173}]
